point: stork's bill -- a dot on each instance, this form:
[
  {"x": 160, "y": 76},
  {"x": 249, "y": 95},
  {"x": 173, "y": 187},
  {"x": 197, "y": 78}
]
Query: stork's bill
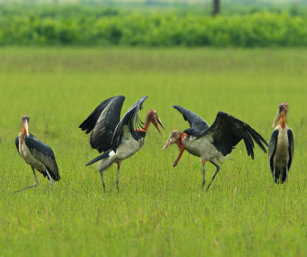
[
  {"x": 281, "y": 114},
  {"x": 155, "y": 120},
  {"x": 25, "y": 124}
]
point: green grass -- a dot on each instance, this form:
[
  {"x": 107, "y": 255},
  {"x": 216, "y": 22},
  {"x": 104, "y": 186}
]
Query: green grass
[{"x": 160, "y": 210}]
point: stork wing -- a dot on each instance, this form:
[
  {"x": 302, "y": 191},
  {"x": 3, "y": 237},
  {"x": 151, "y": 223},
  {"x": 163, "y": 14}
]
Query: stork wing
[
  {"x": 103, "y": 121},
  {"x": 44, "y": 154},
  {"x": 130, "y": 119},
  {"x": 227, "y": 131},
  {"x": 291, "y": 147},
  {"x": 195, "y": 121},
  {"x": 272, "y": 148},
  {"x": 17, "y": 144}
]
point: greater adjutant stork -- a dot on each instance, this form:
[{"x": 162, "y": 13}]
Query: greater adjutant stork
[
  {"x": 118, "y": 139},
  {"x": 281, "y": 146},
  {"x": 215, "y": 142},
  {"x": 37, "y": 154}
]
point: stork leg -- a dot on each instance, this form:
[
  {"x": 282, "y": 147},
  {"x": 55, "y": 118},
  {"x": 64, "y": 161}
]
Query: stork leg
[
  {"x": 50, "y": 178},
  {"x": 217, "y": 170},
  {"x": 117, "y": 181},
  {"x": 35, "y": 185},
  {"x": 204, "y": 180},
  {"x": 104, "y": 186}
]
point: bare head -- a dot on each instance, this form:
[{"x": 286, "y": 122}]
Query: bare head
[
  {"x": 25, "y": 119},
  {"x": 173, "y": 139},
  {"x": 282, "y": 112},
  {"x": 152, "y": 116}
]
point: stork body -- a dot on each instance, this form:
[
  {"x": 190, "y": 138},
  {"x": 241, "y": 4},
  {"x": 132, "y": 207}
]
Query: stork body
[
  {"x": 281, "y": 147},
  {"x": 118, "y": 139},
  {"x": 213, "y": 143},
  {"x": 37, "y": 154}
]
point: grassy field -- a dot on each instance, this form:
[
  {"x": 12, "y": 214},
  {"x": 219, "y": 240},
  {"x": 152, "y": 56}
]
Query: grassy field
[{"x": 160, "y": 210}]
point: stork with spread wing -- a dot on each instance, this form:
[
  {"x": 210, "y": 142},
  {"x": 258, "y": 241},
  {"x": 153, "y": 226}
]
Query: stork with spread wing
[
  {"x": 213, "y": 143},
  {"x": 117, "y": 139}
]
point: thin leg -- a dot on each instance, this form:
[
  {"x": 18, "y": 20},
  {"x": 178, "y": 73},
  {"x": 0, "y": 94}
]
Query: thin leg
[
  {"x": 104, "y": 186},
  {"x": 36, "y": 182},
  {"x": 117, "y": 181},
  {"x": 50, "y": 178},
  {"x": 35, "y": 185},
  {"x": 217, "y": 170},
  {"x": 204, "y": 180}
]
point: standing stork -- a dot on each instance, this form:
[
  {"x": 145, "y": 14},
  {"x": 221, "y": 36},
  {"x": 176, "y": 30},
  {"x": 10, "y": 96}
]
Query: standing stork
[
  {"x": 281, "y": 146},
  {"x": 37, "y": 154},
  {"x": 118, "y": 139},
  {"x": 215, "y": 142}
]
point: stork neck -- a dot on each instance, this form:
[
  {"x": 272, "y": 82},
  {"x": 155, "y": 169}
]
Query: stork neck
[
  {"x": 23, "y": 130},
  {"x": 179, "y": 142},
  {"x": 283, "y": 121},
  {"x": 148, "y": 120}
]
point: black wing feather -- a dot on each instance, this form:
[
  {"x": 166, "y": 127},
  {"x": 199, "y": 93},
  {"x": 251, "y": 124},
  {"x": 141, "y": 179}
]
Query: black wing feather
[
  {"x": 228, "y": 131},
  {"x": 196, "y": 122},
  {"x": 291, "y": 147},
  {"x": 272, "y": 148},
  {"x": 102, "y": 122},
  {"x": 130, "y": 119},
  {"x": 17, "y": 143},
  {"x": 100, "y": 157},
  {"x": 44, "y": 154}
]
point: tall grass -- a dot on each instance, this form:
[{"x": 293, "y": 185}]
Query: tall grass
[{"x": 160, "y": 210}]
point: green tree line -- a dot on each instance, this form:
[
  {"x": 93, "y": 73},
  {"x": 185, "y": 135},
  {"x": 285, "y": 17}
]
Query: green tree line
[{"x": 112, "y": 27}]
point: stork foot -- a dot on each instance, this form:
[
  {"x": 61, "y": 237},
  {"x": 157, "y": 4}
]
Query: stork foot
[
  {"x": 203, "y": 184},
  {"x": 35, "y": 185},
  {"x": 103, "y": 184},
  {"x": 217, "y": 170}
]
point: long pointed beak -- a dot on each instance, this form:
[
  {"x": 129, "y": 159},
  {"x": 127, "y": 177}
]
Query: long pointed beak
[
  {"x": 277, "y": 118},
  {"x": 157, "y": 121},
  {"x": 169, "y": 142},
  {"x": 26, "y": 125}
]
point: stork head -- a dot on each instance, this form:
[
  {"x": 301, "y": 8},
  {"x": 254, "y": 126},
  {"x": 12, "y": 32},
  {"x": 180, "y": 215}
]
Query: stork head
[
  {"x": 152, "y": 116},
  {"x": 282, "y": 112},
  {"x": 25, "y": 119},
  {"x": 173, "y": 139}
]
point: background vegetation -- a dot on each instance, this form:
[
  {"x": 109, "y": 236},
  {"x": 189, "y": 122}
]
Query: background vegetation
[
  {"x": 97, "y": 26},
  {"x": 160, "y": 210}
]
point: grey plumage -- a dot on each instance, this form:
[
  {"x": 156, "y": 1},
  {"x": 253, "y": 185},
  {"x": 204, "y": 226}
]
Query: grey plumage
[{"x": 194, "y": 120}]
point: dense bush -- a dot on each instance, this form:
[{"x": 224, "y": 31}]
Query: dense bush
[{"x": 152, "y": 29}]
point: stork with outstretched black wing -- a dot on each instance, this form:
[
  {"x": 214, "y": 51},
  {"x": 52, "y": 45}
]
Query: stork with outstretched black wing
[
  {"x": 118, "y": 139},
  {"x": 215, "y": 142},
  {"x": 37, "y": 154},
  {"x": 281, "y": 146}
]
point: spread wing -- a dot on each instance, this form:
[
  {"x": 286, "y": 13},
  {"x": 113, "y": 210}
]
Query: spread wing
[
  {"x": 44, "y": 154},
  {"x": 102, "y": 122},
  {"x": 227, "y": 131},
  {"x": 130, "y": 119},
  {"x": 196, "y": 122}
]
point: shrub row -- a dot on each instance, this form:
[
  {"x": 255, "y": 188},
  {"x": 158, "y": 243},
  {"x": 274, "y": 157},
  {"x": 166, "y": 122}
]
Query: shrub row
[{"x": 256, "y": 30}]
